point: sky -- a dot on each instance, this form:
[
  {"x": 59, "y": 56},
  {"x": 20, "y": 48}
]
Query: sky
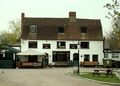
[{"x": 87, "y": 9}]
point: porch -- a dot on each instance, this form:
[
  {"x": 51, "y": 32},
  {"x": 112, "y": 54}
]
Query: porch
[{"x": 31, "y": 59}]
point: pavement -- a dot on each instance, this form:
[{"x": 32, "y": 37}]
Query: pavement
[{"x": 45, "y": 77}]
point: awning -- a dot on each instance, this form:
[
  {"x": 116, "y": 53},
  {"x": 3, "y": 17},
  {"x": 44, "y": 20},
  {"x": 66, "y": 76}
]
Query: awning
[
  {"x": 10, "y": 49},
  {"x": 30, "y": 52}
]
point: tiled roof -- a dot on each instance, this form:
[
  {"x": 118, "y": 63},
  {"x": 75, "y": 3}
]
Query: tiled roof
[
  {"x": 10, "y": 49},
  {"x": 47, "y": 29}
]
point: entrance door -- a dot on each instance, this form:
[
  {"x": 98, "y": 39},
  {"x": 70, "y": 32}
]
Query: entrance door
[
  {"x": 61, "y": 56},
  {"x": 75, "y": 57}
]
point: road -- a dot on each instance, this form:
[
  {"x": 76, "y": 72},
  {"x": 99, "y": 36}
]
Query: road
[{"x": 44, "y": 77}]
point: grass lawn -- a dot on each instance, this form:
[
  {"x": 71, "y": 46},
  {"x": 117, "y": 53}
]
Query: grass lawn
[{"x": 102, "y": 77}]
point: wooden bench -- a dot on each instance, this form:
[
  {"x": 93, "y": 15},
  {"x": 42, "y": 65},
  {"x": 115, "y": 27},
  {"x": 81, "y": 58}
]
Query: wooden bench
[
  {"x": 106, "y": 72},
  {"x": 26, "y": 64},
  {"x": 30, "y": 64},
  {"x": 87, "y": 63}
]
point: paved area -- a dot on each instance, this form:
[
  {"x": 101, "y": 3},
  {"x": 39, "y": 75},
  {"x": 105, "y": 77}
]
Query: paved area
[{"x": 44, "y": 77}]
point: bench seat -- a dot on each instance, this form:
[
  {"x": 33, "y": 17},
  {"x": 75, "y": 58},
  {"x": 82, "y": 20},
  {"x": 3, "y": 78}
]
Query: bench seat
[{"x": 87, "y": 63}]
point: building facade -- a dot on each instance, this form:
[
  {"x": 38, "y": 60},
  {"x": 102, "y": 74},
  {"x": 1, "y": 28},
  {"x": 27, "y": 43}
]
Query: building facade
[
  {"x": 8, "y": 56},
  {"x": 111, "y": 58},
  {"x": 62, "y": 38}
]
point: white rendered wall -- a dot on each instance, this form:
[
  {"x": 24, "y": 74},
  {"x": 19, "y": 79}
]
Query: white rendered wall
[{"x": 95, "y": 47}]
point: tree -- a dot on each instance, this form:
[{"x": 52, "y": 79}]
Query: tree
[
  {"x": 112, "y": 40},
  {"x": 11, "y": 36},
  {"x": 15, "y": 29},
  {"x": 113, "y": 37},
  {"x": 113, "y": 9}
]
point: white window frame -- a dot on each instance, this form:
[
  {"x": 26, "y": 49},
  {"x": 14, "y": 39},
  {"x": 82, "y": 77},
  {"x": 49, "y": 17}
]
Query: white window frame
[
  {"x": 106, "y": 55},
  {"x": 33, "y": 28},
  {"x": 115, "y": 55},
  {"x": 59, "y": 46}
]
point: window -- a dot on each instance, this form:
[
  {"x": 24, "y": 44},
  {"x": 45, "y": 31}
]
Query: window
[
  {"x": 33, "y": 29},
  {"x": 61, "y": 45},
  {"x": 84, "y": 45},
  {"x": 115, "y": 55},
  {"x": 86, "y": 57},
  {"x": 60, "y": 29},
  {"x": 46, "y": 46},
  {"x": 61, "y": 56},
  {"x": 73, "y": 46},
  {"x": 95, "y": 58},
  {"x": 106, "y": 55},
  {"x": 32, "y": 44},
  {"x": 83, "y": 30}
]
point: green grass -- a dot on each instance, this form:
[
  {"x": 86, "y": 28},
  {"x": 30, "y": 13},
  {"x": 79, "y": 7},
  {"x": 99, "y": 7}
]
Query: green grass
[{"x": 102, "y": 77}]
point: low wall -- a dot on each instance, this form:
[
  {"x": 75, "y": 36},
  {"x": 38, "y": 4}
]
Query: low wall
[{"x": 7, "y": 64}]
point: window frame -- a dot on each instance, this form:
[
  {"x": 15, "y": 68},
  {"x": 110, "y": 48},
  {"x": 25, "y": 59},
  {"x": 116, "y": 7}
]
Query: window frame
[
  {"x": 73, "y": 46},
  {"x": 115, "y": 55},
  {"x": 33, "y": 28},
  {"x": 106, "y": 55},
  {"x": 93, "y": 56},
  {"x": 61, "y": 30},
  {"x": 34, "y": 45},
  {"x": 46, "y": 46},
  {"x": 82, "y": 46},
  {"x": 59, "y": 46},
  {"x": 83, "y": 29},
  {"x": 87, "y": 57}
]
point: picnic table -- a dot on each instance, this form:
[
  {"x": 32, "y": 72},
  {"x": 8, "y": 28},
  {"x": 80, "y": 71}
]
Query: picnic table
[{"x": 107, "y": 72}]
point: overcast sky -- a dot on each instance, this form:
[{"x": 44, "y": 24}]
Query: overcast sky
[{"x": 92, "y": 9}]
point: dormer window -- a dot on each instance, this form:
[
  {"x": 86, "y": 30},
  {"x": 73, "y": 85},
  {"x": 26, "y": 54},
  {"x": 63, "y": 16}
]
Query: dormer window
[
  {"x": 60, "y": 29},
  {"x": 83, "y": 30},
  {"x": 33, "y": 28}
]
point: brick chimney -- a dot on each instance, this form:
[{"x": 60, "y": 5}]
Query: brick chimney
[
  {"x": 22, "y": 15},
  {"x": 72, "y": 16},
  {"x": 22, "y": 20}
]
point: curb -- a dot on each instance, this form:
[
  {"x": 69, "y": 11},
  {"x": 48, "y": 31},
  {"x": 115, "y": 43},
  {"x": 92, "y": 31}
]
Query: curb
[{"x": 109, "y": 83}]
